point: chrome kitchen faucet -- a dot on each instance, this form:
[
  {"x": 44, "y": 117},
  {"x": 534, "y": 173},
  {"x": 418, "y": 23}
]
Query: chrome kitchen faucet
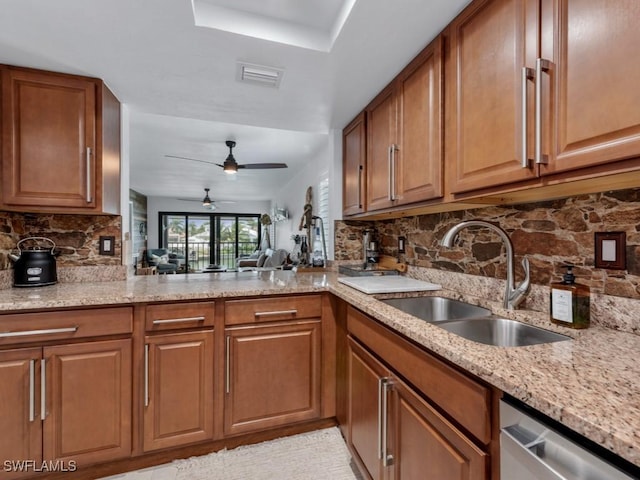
[{"x": 512, "y": 295}]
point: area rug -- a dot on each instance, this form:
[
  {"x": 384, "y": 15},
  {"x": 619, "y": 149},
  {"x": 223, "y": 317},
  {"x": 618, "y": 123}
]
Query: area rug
[{"x": 319, "y": 455}]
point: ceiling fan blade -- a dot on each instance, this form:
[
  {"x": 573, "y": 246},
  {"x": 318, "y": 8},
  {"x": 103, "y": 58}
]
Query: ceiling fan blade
[
  {"x": 191, "y": 159},
  {"x": 263, "y": 165},
  {"x": 200, "y": 201}
]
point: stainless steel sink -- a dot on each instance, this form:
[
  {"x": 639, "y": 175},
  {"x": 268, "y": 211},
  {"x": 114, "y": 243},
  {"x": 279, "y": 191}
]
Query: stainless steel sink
[
  {"x": 473, "y": 322},
  {"x": 501, "y": 332},
  {"x": 437, "y": 309}
]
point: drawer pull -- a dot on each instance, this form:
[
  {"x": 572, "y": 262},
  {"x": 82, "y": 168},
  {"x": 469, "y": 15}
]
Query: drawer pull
[
  {"x": 49, "y": 331},
  {"x": 179, "y": 320},
  {"x": 276, "y": 312}
]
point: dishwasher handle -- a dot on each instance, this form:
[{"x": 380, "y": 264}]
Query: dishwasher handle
[{"x": 527, "y": 451}]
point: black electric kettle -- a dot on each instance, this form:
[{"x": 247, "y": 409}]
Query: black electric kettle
[{"x": 35, "y": 266}]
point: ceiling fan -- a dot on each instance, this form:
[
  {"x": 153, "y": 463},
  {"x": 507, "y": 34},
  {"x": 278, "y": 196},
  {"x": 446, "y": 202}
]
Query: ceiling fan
[
  {"x": 206, "y": 201},
  {"x": 230, "y": 165}
]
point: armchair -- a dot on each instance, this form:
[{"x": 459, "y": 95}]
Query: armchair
[{"x": 162, "y": 259}]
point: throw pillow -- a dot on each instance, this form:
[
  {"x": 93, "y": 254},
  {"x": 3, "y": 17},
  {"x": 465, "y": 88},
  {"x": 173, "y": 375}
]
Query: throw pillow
[{"x": 261, "y": 260}]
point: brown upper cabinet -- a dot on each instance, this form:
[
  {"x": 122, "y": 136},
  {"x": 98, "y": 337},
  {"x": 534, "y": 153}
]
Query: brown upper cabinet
[
  {"x": 354, "y": 157},
  {"x": 404, "y": 152},
  {"x": 540, "y": 87},
  {"x": 60, "y": 143}
]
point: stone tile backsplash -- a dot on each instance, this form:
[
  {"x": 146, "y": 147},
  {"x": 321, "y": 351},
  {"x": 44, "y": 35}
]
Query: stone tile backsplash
[
  {"x": 549, "y": 233},
  {"x": 77, "y": 241}
]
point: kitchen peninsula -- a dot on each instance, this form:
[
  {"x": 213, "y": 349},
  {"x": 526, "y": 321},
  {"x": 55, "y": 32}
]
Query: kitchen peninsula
[{"x": 589, "y": 383}]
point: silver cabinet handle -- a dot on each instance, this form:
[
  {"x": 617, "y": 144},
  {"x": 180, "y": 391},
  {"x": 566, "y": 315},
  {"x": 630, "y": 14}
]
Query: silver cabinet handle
[
  {"x": 387, "y": 459},
  {"x": 527, "y": 74},
  {"x": 88, "y": 174},
  {"x": 360, "y": 186},
  {"x": 227, "y": 367},
  {"x": 179, "y": 320},
  {"x": 43, "y": 389},
  {"x": 276, "y": 312},
  {"x": 32, "y": 390},
  {"x": 380, "y": 416},
  {"x": 392, "y": 172},
  {"x": 146, "y": 374},
  {"x": 49, "y": 331},
  {"x": 542, "y": 65}
]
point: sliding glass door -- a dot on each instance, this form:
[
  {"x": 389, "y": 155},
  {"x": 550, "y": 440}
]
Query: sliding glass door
[
  {"x": 198, "y": 241},
  {"x": 204, "y": 239}
]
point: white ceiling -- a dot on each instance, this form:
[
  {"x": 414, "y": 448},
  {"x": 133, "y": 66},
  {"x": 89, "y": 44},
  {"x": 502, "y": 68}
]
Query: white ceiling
[{"x": 179, "y": 79}]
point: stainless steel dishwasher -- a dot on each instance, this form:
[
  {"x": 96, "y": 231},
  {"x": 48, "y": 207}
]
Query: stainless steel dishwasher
[{"x": 532, "y": 449}]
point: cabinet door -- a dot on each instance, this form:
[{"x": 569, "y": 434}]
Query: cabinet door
[
  {"x": 179, "y": 390},
  {"x": 425, "y": 445},
  {"x": 381, "y": 135},
  {"x": 20, "y": 423},
  {"x": 353, "y": 166},
  {"x": 420, "y": 153},
  {"x": 272, "y": 376},
  {"x": 491, "y": 41},
  {"x": 88, "y": 402},
  {"x": 364, "y": 410},
  {"x": 593, "y": 96},
  {"x": 48, "y": 127}
]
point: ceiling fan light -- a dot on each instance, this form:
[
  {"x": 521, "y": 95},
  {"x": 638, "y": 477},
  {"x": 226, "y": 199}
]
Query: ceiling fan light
[
  {"x": 206, "y": 201},
  {"x": 230, "y": 168}
]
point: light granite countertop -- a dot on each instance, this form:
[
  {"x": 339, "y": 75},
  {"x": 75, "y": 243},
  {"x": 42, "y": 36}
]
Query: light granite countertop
[{"x": 591, "y": 383}]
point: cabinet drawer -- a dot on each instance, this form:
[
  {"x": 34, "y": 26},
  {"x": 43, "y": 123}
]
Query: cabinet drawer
[
  {"x": 173, "y": 316},
  {"x": 467, "y": 402},
  {"x": 17, "y": 328},
  {"x": 272, "y": 309}
]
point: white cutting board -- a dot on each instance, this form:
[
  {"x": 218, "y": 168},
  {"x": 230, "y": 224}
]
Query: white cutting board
[{"x": 388, "y": 284}]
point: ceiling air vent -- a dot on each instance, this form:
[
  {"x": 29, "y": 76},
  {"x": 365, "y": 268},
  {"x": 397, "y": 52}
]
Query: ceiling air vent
[{"x": 259, "y": 74}]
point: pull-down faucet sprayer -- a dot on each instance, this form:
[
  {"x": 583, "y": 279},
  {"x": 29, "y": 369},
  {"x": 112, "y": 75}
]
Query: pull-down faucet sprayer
[{"x": 512, "y": 295}]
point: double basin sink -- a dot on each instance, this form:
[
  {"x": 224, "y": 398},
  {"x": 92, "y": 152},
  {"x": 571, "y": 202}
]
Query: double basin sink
[{"x": 473, "y": 322}]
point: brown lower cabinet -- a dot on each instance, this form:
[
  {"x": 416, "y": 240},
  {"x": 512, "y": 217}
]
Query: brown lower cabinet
[
  {"x": 66, "y": 396},
  {"x": 395, "y": 434},
  {"x": 272, "y": 375},
  {"x": 178, "y": 392},
  {"x": 67, "y": 403},
  {"x": 395, "y": 429}
]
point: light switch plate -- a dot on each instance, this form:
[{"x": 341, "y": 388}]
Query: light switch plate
[
  {"x": 610, "y": 250},
  {"x": 401, "y": 244},
  {"x": 107, "y": 245}
]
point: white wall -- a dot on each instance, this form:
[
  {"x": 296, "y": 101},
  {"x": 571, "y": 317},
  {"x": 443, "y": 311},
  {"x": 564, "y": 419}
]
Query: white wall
[
  {"x": 164, "y": 204},
  {"x": 327, "y": 163},
  {"x": 126, "y": 240}
]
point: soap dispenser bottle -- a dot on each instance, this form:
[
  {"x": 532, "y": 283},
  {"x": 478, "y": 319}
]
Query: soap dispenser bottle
[{"x": 570, "y": 302}]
